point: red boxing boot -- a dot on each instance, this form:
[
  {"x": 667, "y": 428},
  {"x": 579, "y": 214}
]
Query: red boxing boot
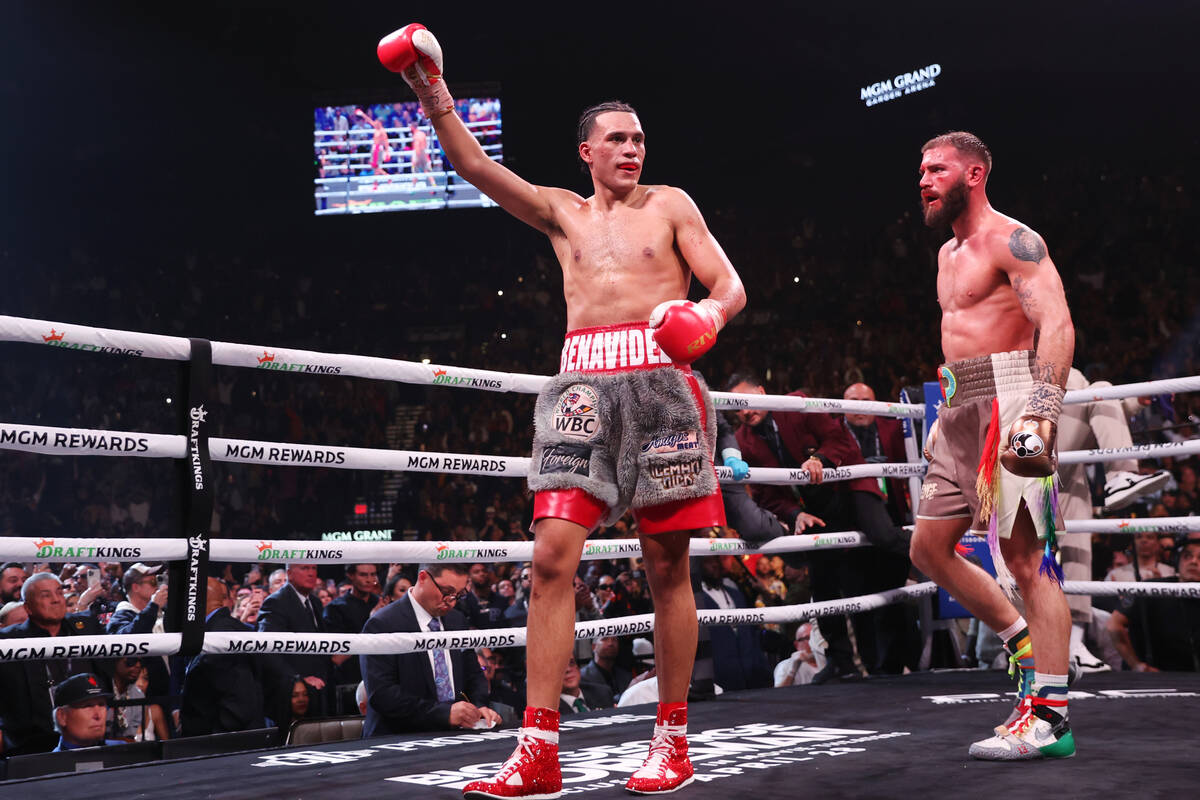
[
  {"x": 667, "y": 766},
  {"x": 532, "y": 771}
]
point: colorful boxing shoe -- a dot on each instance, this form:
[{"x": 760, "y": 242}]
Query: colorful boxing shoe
[
  {"x": 532, "y": 772},
  {"x": 1042, "y": 733},
  {"x": 667, "y": 766}
]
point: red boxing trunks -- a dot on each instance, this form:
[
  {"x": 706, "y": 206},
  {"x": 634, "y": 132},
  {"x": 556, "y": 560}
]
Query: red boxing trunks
[{"x": 622, "y": 427}]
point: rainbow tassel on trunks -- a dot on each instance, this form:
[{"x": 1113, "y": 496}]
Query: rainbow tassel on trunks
[
  {"x": 1050, "y": 565},
  {"x": 987, "y": 488}
]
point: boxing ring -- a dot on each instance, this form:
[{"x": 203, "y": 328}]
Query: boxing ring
[
  {"x": 832, "y": 735},
  {"x": 341, "y": 188}
]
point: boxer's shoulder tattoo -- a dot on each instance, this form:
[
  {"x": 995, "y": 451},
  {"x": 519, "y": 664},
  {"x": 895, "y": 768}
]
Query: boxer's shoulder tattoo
[{"x": 1025, "y": 245}]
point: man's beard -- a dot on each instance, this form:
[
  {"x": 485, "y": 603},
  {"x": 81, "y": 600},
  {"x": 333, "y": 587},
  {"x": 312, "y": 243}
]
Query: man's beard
[{"x": 951, "y": 204}]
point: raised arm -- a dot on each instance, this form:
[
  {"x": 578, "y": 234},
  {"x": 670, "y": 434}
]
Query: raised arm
[{"x": 416, "y": 55}]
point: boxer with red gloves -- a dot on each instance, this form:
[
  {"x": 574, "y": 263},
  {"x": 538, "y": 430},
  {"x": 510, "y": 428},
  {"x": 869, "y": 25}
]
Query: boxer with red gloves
[
  {"x": 1008, "y": 340},
  {"x": 625, "y": 424}
]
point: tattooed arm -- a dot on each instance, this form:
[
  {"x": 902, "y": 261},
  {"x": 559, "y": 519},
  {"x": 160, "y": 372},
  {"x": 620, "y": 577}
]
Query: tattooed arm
[{"x": 1038, "y": 288}]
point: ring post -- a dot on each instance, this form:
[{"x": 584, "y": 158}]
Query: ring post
[{"x": 189, "y": 578}]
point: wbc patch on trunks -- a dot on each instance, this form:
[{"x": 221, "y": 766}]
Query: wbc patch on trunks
[
  {"x": 633, "y": 438},
  {"x": 602, "y": 350},
  {"x": 577, "y": 412}
]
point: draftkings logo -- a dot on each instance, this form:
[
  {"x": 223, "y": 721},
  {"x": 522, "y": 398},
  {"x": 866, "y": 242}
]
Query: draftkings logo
[
  {"x": 442, "y": 378},
  {"x": 45, "y": 549},
  {"x": 268, "y": 361},
  {"x": 57, "y": 338}
]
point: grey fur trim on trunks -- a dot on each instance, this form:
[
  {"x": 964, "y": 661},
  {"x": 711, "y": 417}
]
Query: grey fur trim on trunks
[{"x": 630, "y": 439}]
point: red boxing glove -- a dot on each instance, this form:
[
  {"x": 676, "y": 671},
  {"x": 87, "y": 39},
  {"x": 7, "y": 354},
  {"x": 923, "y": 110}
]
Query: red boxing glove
[
  {"x": 686, "y": 330},
  {"x": 416, "y": 55}
]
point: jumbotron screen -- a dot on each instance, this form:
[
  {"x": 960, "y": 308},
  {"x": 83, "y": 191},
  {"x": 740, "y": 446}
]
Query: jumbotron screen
[{"x": 386, "y": 157}]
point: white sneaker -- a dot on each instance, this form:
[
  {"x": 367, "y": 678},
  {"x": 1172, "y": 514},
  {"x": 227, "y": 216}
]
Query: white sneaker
[
  {"x": 1083, "y": 660},
  {"x": 1029, "y": 739},
  {"x": 1122, "y": 488}
]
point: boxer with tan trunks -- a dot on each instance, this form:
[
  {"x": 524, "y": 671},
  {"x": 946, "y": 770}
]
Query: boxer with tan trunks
[
  {"x": 625, "y": 424},
  {"x": 1008, "y": 340}
]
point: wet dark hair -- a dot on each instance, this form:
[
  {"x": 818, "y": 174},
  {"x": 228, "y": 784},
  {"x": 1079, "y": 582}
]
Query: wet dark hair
[
  {"x": 587, "y": 121},
  {"x": 966, "y": 143}
]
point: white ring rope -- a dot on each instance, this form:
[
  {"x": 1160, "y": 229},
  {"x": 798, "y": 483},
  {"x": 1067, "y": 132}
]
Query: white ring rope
[
  {"x": 1140, "y": 525},
  {"x": 1188, "y": 589},
  {"x": 1186, "y": 447},
  {"x": 31, "y": 549},
  {"x": 84, "y": 441},
  {"x": 148, "y": 345},
  {"x": 245, "y": 551},
  {"x": 220, "y": 643}
]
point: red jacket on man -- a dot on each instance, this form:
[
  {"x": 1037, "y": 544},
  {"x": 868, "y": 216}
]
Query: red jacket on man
[{"x": 802, "y": 435}]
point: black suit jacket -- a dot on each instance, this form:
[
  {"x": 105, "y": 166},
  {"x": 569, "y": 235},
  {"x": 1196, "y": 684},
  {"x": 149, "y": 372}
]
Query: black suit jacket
[
  {"x": 738, "y": 658},
  {"x": 228, "y": 692},
  {"x": 401, "y": 694},
  {"x": 348, "y": 614},
  {"x": 26, "y": 713},
  {"x": 595, "y": 695},
  {"x": 283, "y": 612}
]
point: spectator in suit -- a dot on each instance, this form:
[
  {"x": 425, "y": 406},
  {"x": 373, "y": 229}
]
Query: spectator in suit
[
  {"x": 26, "y": 713},
  {"x": 482, "y": 605},
  {"x": 348, "y": 614},
  {"x": 603, "y": 668},
  {"x": 434, "y": 690},
  {"x": 81, "y": 712},
  {"x": 223, "y": 693},
  {"x": 293, "y": 608},
  {"x": 812, "y": 443},
  {"x": 738, "y": 658},
  {"x": 503, "y": 697},
  {"x": 578, "y": 697}
]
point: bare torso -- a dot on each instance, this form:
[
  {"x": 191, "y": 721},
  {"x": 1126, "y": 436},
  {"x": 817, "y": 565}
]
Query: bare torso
[
  {"x": 619, "y": 263},
  {"x": 981, "y": 312}
]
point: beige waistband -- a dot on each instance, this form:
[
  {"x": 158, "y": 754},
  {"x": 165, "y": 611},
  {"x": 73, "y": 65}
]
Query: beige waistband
[{"x": 986, "y": 377}]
